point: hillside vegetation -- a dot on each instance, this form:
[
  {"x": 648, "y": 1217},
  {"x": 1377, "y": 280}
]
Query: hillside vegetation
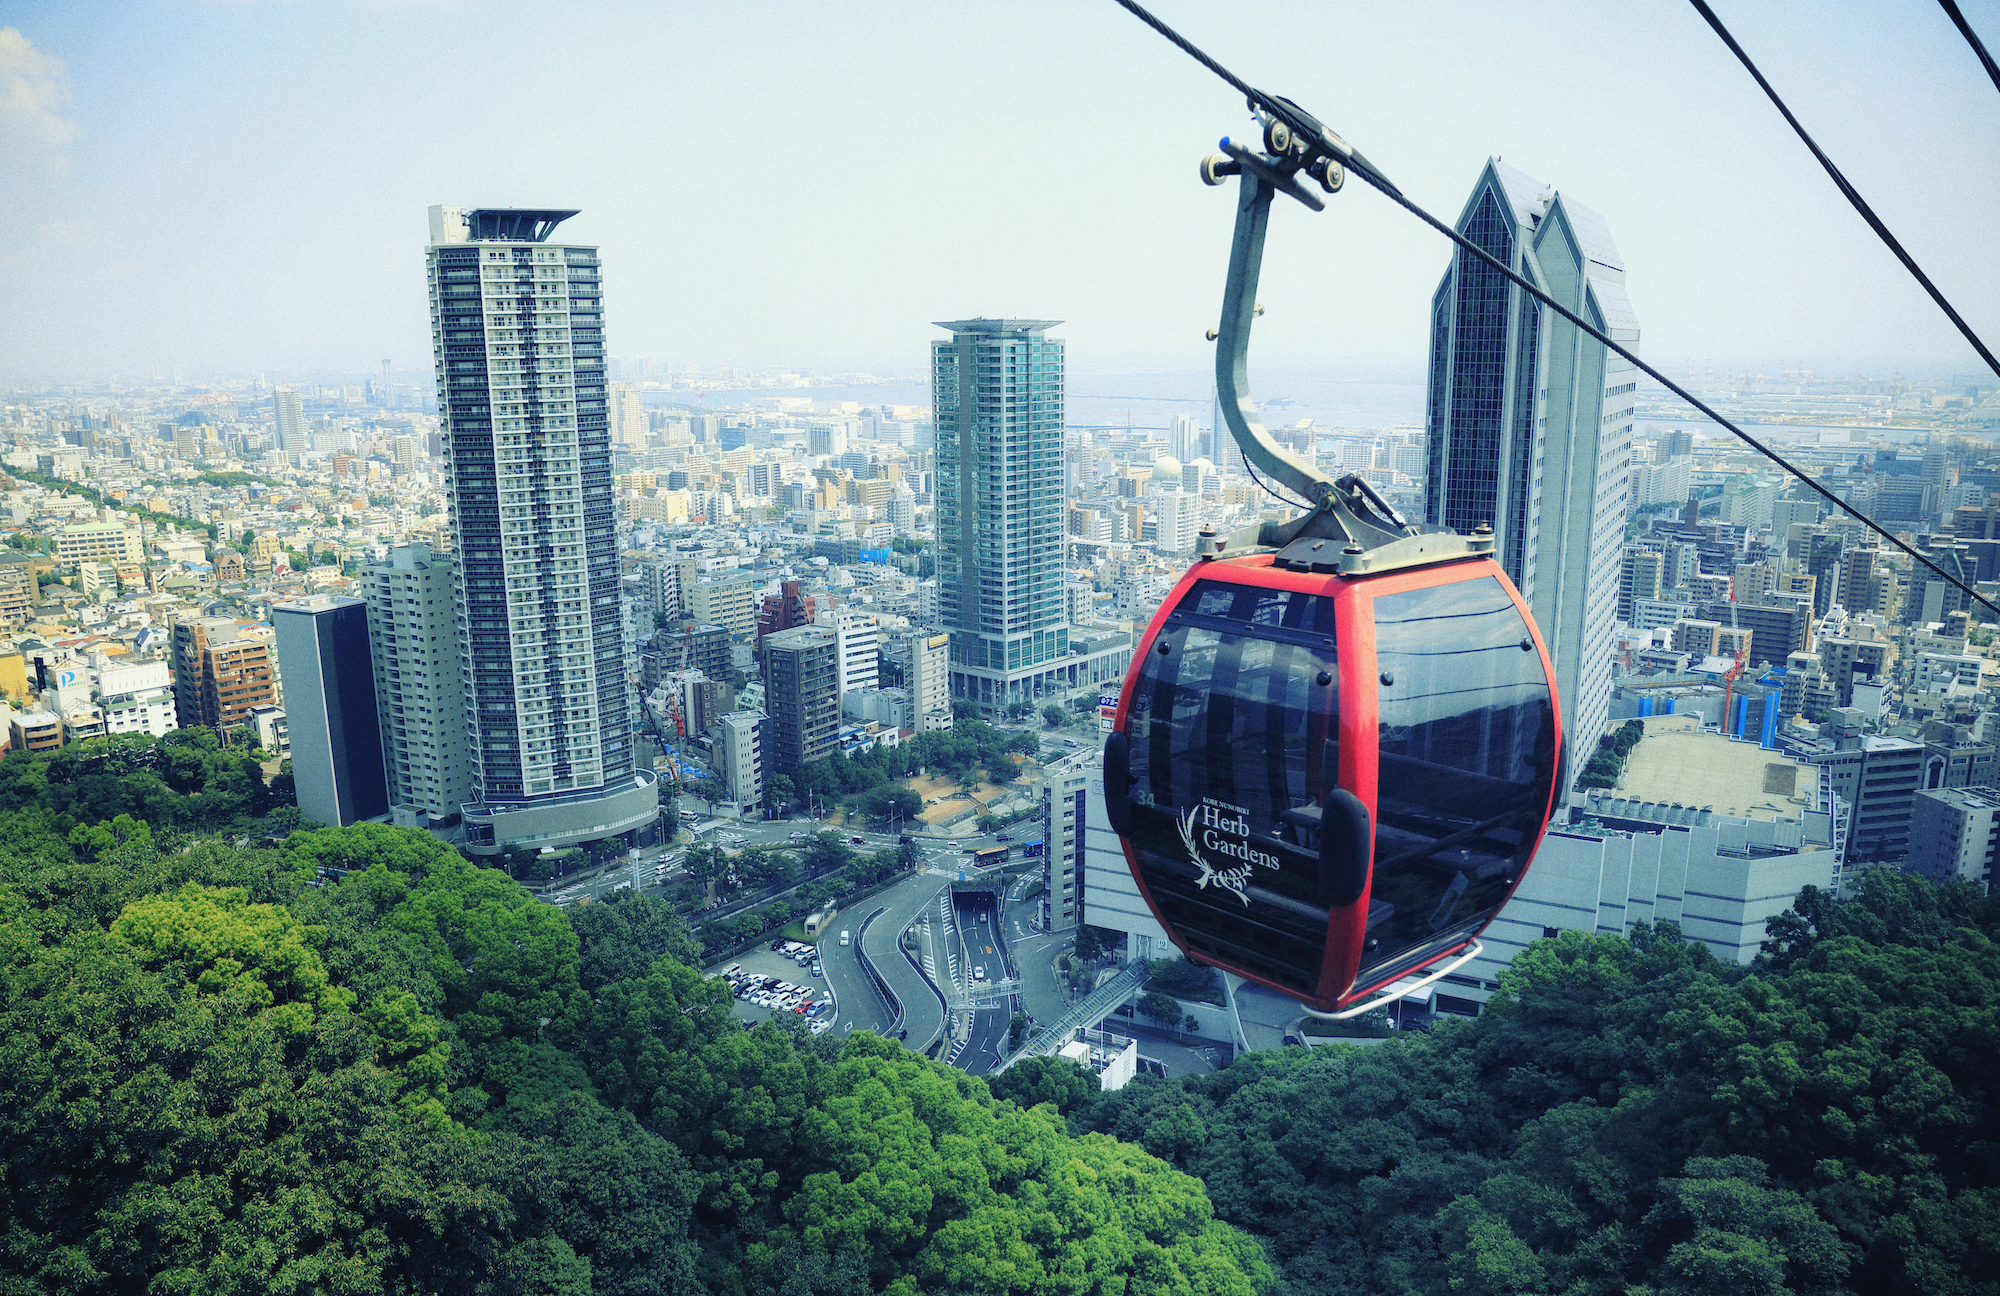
[
  {"x": 1631, "y": 1116},
  {"x": 357, "y": 1063},
  {"x": 222, "y": 1072}
]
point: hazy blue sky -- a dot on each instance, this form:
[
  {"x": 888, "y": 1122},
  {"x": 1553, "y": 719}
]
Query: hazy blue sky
[{"x": 242, "y": 185}]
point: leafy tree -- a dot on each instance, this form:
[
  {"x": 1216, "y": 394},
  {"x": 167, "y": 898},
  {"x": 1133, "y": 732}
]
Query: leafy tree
[
  {"x": 1160, "y": 1009},
  {"x": 623, "y": 936},
  {"x": 1096, "y": 942},
  {"x": 1183, "y": 979},
  {"x": 826, "y": 853},
  {"x": 705, "y": 863},
  {"x": 888, "y": 801},
  {"x": 1053, "y": 716},
  {"x": 1054, "y": 1080}
]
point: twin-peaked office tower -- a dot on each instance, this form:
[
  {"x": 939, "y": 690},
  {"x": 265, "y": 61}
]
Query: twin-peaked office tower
[{"x": 1530, "y": 421}]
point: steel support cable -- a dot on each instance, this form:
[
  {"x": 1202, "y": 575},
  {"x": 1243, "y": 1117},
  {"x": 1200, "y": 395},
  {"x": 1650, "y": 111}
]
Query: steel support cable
[
  {"x": 1847, "y": 190},
  {"x": 1381, "y": 183},
  {"x": 1972, "y": 39}
]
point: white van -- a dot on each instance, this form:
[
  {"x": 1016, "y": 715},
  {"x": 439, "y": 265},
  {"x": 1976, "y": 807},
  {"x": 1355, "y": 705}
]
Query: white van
[{"x": 843, "y": 938}]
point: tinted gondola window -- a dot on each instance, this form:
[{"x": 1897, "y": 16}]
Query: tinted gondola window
[
  {"x": 1467, "y": 761},
  {"x": 1232, "y": 750}
]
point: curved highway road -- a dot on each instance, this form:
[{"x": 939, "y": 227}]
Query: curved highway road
[{"x": 923, "y": 1015}]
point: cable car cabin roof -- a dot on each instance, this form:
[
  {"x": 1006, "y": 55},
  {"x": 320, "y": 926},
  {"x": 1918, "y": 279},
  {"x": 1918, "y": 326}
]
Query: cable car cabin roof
[{"x": 1331, "y": 781}]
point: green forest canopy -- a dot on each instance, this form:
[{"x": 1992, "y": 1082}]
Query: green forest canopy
[
  {"x": 1631, "y": 1116},
  {"x": 226, "y": 1074},
  {"x": 222, "y": 1071}
]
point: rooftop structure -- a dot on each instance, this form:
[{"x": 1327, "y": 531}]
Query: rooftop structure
[
  {"x": 496, "y": 224},
  {"x": 1685, "y": 767}
]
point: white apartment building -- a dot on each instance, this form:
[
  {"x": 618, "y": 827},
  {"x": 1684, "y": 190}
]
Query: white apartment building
[
  {"x": 1065, "y": 823},
  {"x": 929, "y": 680},
  {"x": 1110, "y": 898},
  {"x": 1937, "y": 672},
  {"x": 1661, "y": 483},
  {"x": 419, "y": 694},
  {"x": 859, "y": 647},
  {"x": 739, "y": 757},
  {"x": 1954, "y": 833},
  {"x": 138, "y": 699},
  {"x": 1176, "y": 519}
]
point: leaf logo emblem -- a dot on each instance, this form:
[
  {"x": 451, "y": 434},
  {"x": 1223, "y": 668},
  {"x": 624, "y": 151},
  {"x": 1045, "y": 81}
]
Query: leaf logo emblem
[{"x": 1236, "y": 879}]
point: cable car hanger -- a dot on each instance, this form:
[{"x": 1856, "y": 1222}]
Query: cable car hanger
[
  {"x": 1347, "y": 526},
  {"x": 1316, "y": 145}
]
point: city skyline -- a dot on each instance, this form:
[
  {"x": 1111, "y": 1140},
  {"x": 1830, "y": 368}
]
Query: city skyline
[{"x": 1136, "y": 267}]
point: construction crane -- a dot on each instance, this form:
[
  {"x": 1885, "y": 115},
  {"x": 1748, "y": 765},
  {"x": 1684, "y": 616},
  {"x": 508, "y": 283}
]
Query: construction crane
[
  {"x": 672, "y": 750},
  {"x": 673, "y": 765},
  {"x": 1735, "y": 672}
]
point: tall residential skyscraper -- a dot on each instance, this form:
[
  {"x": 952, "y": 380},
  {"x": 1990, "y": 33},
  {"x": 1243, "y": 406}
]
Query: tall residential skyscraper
[
  {"x": 518, "y": 328},
  {"x": 997, "y": 386},
  {"x": 330, "y": 708},
  {"x": 1530, "y": 421},
  {"x": 291, "y": 419},
  {"x": 628, "y": 416}
]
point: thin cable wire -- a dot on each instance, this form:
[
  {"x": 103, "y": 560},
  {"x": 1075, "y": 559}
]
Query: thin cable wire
[
  {"x": 1381, "y": 183},
  {"x": 1267, "y": 489},
  {"x": 1847, "y": 190},
  {"x": 1972, "y": 39}
]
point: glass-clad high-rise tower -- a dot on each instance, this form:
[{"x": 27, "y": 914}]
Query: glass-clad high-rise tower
[
  {"x": 1530, "y": 421},
  {"x": 518, "y": 328},
  {"x": 997, "y": 389}
]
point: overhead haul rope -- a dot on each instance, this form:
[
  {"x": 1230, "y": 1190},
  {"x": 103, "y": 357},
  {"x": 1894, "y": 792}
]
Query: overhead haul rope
[
  {"x": 1259, "y": 101},
  {"x": 1847, "y": 190},
  {"x": 1972, "y": 39}
]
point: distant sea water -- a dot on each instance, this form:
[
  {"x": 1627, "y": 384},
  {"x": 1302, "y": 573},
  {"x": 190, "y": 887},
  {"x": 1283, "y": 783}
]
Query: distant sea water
[
  {"x": 1334, "y": 401},
  {"x": 1150, "y": 399},
  {"x": 1791, "y": 434}
]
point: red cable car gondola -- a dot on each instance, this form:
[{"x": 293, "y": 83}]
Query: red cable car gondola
[{"x": 1338, "y": 743}]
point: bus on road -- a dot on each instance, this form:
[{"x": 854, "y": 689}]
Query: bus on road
[{"x": 991, "y": 855}]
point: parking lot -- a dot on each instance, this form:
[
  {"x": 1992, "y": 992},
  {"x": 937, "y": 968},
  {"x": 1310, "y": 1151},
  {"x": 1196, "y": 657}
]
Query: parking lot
[{"x": 764, "y": 977}]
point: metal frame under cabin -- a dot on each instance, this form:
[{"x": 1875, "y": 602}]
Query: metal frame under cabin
[{"x": 1360, "y": 756}]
